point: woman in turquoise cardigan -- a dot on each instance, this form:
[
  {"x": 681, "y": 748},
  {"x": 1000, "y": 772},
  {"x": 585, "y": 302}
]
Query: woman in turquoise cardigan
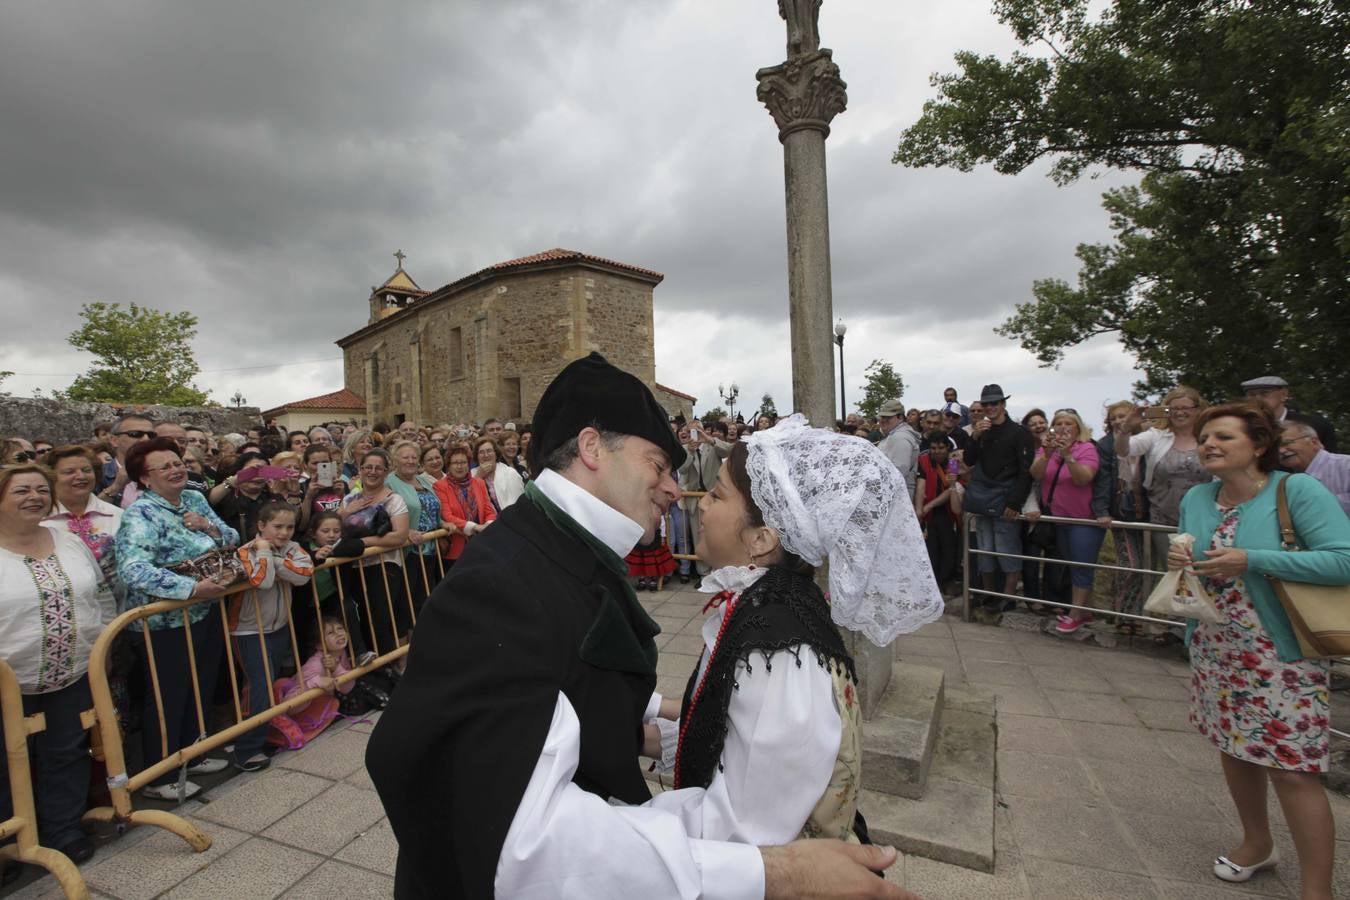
[{"x": 1252, "y": 694}]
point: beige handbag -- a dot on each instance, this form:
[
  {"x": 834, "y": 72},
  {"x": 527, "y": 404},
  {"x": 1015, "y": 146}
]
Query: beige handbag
[{"x": 1320, "y": 613}]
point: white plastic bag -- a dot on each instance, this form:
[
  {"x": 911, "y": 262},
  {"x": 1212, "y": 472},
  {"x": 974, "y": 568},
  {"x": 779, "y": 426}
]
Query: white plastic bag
[{"x": 1180, "y": 593}]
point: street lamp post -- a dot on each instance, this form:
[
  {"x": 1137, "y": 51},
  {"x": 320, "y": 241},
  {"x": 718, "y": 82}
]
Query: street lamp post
[
  {"x": 729, "y": 396},
  {"x": 839, "y": 329}
]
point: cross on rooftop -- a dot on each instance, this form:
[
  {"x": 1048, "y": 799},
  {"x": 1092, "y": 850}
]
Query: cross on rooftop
[{"x": 400, "y": 256}]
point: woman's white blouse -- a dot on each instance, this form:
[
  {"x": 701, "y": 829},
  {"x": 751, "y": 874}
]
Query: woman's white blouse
[{"x": 51, "y": 612}]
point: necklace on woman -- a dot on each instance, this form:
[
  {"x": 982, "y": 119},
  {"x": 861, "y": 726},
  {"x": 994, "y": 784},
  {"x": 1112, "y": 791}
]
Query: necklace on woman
[{"x": 1256, "y": 489}]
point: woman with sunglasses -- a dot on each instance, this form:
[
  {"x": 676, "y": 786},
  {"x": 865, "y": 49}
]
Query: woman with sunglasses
[
  {"x": 1065, "y": 468},
  {"x": 16, "y": 451}
]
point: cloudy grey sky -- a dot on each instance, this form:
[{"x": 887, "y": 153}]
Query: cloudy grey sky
[{"x": 257, "y": 163}]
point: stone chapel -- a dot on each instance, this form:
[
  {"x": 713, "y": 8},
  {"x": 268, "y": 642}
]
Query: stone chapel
[{"x": 486, "y": 345}]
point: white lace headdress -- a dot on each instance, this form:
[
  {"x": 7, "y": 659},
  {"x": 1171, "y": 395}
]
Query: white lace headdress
[{"x": 835, "y": 496}]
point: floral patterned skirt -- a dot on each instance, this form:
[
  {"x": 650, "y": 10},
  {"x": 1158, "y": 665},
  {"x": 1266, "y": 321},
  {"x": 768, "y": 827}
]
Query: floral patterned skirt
[{"x": 1249, "y": 703}]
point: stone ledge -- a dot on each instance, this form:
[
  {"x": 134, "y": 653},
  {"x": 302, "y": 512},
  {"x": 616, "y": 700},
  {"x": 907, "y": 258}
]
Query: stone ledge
[{"x": 897, "y": 745}]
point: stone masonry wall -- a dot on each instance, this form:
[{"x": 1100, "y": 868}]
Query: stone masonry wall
[
  {"x": 62, "y": 421},
  {"x": 525, "y": 325}
]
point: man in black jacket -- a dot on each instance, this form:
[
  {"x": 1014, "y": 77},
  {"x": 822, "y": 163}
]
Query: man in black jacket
[
  {"x": 507, "y": 759},
  {"x": 1000, "y": 456}
]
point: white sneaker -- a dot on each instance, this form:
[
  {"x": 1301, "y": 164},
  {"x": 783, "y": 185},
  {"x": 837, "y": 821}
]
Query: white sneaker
[
  {"x": 208, "y": 766},
  {"x": 169, "y": 792}
]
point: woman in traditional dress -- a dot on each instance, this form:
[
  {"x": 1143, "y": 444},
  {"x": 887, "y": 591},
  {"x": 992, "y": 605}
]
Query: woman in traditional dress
[
  {"x": 1255, "y": 697},
  {"x": 770, "y": 722},
  {"x": 54, "y": 603}
]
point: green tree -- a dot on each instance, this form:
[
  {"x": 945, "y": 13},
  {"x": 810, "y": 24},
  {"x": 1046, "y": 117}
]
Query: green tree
[
  {"x": 883, "y": 383},
  {"x": 767, "y": 407},
  {"x": 715, "y": 414},
  {"x": 141, "y": 355},
  {"x": 1231, "y": 258},
  {"x": 4, "y": 376}
]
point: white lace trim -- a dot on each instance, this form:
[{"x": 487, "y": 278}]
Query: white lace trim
[
  {"x": 836, "y": 497},
  {"x": 731, "y": 578}
]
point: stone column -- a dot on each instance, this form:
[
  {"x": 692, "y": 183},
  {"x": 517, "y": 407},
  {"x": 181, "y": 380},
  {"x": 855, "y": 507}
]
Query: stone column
[{"x": 803, "y": 95}]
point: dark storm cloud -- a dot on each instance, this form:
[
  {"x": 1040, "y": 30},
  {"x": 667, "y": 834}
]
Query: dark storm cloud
[{"x": 256, "y": 164}]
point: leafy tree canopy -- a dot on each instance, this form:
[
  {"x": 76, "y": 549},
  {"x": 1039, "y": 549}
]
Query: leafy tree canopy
[
  {"x": 767, "y": 407},
  {"x": 141, "y": 355},
  {"x": 1232, "y": 257},
  {"x": 716, "y": 414},
  {"x": 883, "y": 383}
]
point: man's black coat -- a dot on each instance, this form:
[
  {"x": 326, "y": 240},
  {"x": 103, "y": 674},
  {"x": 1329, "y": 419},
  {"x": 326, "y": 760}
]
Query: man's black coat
[{"x": 497, "y": 641}]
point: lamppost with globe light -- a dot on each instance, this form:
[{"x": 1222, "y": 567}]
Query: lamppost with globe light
[
  {"x": 839, "y": 329},
  {"x": 729, "y": 395}
]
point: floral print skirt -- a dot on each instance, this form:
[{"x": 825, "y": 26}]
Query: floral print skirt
[{"x": 1249, "y": 703}]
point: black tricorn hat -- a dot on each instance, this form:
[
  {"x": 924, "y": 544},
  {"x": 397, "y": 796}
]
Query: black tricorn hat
[{"x": 592, "y": 391}]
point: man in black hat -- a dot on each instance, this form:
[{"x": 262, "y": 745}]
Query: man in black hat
[
  {"x": 508, "y": 758},
  {"x": 1000, "y": 455}
]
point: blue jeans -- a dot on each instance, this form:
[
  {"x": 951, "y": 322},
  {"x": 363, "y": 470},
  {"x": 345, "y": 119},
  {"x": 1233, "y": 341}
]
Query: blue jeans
[
  {"x": 59, "y": 756},
  {"x": 1079, "y": 543},
  {"x": 1002, "y": 536},
  {"x": 250, "y": 656}
]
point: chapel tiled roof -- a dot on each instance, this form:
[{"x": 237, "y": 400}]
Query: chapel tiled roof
[
  {"x": 343, "y": 399},
  {"x": 670, "y": 390},
  {"x": 558, "y": 254}
]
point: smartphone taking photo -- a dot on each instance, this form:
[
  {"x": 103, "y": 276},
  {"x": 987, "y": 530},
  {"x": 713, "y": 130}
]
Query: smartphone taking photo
[{"x": 326, "y": 473}]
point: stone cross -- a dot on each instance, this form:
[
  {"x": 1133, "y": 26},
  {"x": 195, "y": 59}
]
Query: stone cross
[{"x": 400, "y": 256}]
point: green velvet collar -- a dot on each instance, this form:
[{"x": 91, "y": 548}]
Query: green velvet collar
[{"x": 622, "y": 637}]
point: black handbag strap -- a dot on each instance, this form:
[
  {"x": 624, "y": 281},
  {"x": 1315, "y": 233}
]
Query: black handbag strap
[{"x": 1054, "y": 483}]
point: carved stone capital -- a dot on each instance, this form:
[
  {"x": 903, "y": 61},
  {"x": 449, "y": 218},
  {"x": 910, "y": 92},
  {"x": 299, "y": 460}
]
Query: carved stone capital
[{"x": 804, "y": 92}]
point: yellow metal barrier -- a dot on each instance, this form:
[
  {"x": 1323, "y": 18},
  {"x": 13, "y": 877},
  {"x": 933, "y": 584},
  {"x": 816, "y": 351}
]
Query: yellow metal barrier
[
  {"x": 121, "y": 785},
  {"x": 22, "y": 826},
  {"x": 669, "y": 538}
]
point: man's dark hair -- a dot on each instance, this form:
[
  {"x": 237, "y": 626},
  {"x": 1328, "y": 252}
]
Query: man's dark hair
[
  {"x": 291, "y": 435},
  {"x": 937, "y": 437},
  {"x": 488, "y": 422},
  {"x": 719, "y": 426},
  {"x": 566, "y": 453},
  {"x": 117, "y": 426}
]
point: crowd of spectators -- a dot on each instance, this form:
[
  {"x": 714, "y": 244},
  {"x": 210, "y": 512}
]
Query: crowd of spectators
[{"x": 146, "y": 510}]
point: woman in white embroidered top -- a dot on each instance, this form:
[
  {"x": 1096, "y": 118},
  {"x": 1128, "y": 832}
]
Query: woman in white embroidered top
[
  {"x": 770, "y": 722},
  {"x": 54, "y": 603}
]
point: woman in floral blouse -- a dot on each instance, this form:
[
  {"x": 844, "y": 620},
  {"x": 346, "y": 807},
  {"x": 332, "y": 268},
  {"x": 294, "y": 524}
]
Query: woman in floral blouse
[
  {"x": 165, "y": 526},
  {"x": 54, "y": 603},
  {"x": 1255, "y": 697},
  {"x": 80, "y": 512}
]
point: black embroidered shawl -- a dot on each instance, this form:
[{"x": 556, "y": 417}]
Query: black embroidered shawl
[{"x": 781, "y": 611}]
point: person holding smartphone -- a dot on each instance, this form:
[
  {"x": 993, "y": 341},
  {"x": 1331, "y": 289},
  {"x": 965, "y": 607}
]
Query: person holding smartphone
[{"x": 322, "y": 488}]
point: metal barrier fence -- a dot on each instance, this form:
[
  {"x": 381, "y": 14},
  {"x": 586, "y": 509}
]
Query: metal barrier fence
[
  {"x": 108, "y": 734},
  {"x": 22, "y": 825},
  {"x": 970, "y": 553}
]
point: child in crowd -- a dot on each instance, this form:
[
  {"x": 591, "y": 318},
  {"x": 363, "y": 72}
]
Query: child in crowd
[
  {"x": 650, "y": 562},
  {"x": 325, "y": 533},
  {"x": 258, "y": 618}
]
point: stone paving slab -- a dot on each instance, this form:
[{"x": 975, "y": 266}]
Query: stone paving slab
[{"x": 1130, "y": 822}]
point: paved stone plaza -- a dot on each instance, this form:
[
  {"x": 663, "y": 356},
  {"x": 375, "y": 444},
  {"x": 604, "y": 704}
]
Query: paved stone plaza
[{"x": 1104, "y": 790}]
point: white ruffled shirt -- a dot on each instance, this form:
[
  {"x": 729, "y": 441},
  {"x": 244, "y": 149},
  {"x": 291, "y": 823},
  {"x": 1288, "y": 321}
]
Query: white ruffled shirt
[{"x": 782, "y": 740}]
